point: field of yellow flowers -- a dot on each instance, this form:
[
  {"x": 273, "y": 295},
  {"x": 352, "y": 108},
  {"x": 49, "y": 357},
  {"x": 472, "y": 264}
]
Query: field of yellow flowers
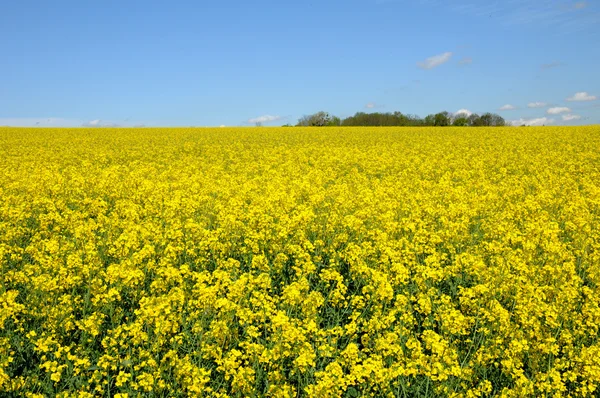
[{"x": 285, "y": 262}]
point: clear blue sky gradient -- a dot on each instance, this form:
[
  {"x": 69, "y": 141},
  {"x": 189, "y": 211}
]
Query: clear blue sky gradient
[{"x": 201, "y": 63}]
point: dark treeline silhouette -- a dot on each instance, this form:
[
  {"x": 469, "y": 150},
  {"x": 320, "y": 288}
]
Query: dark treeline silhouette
[{"x": 400, "y": 119}]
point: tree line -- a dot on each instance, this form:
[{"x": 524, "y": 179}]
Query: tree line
[{"x": 400, "y": 119}]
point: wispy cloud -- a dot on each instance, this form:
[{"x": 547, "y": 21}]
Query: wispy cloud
[
  {"x": 551, "y": 65},
  {"x": 507, "y": 107},
  {"x": 558, "y": 110},
  {"x": 552, "y": 13},
  {"x": 569, "y": 117},
  {"x": 93, "y": 123},
  {"x": 537, "y": 105},
  {"x": 540, "y": 121},
  {"x": 560, "y": 16},
  {"x": 435, "y": 61},
  {"x": 265, "y": 119},
  {"x": 582, "y": 96},
  {"x": 465, "y": 61}
]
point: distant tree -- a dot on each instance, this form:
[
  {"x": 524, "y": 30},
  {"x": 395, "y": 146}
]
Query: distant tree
[
  {"x": 413, "y": 120},
  {"x": 429, "y": 120},
  {"x": 400, "y": 119},
  {"x": 381, "y": 119},
  {"x": 407, "y": 120},
  {"x": 356, "y": 120},
  {"x": 498, "y": 120},
  {"x": 460, "y": 121},
  {"x": 486, "y": 119},
  {"x": 318, "y": 119},
  {"x": 474, "y": 120},
  {"x": 492, "y": 119},
  {"x": 334, "y": 121},
  {"x": 441, "y": 119}
]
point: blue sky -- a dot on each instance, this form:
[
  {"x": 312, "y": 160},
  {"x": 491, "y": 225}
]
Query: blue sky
[{"x": 201, "y": 63}]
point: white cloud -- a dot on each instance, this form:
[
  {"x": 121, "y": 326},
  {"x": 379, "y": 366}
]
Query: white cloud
[
  {"x": 569, "y": 117},
  {"x": 265, "y": 119},
  {"x": 434, "y": 61},
  {"x": 100, "y": 123},
  {"x": 536, "y": 104},
  {"x": 540, "y": 121},
  {"x": 507, "y": 107},
  {"x": 110, "y": 123},
  {"x": 558, "y": 110},
  {"x": 222, "y": 126},
  {"x": 580, "y": 5},
  {"x": 466, "y": 61},
  {"x": 582, "y": 96},
  {"x": 464, "y": 112},
  {"x": 373, "y": 105}
]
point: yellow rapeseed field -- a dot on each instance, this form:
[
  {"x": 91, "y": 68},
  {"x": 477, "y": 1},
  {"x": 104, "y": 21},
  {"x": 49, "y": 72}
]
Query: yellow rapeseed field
[{"x": 285, "y": 262}]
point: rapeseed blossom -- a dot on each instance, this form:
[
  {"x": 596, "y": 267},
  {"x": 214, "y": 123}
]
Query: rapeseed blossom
[{"x": 322, "y": 262}]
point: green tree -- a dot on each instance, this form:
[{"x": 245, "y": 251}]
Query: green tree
[
  {"x": 318, "y": 119},
  {"x": 474, "y": 120},
  {"x": 441, "y": 119},
  {"x": 334, "y": 121},
  {"x": 429, "y": 120},
  {"x": 381, "y": 119},
  {"x": 460, "y": 121},
  {"x": 498, "y": 120},
  {"x": 492, "y": 119}
]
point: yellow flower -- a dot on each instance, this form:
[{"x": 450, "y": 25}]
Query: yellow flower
[{"x": 327, "y": 262}]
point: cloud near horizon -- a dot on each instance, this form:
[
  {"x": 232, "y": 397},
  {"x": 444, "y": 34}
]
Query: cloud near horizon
[
  {"x": 265, "y": 119},
  {"x": 435, "y": 61},
  {"x": 465, "y": 112},
  {"x": 108, "y": 123},
  {"x": 582, "y": 96},
  {"x": 507, "y": 107},
  {"x": 558, "y": 110},
  {"x": 373, "y": 105},
  {"x": 569, "y": 117},
  {"x": 537, "y": 104},
  {"x": 540, "y": 121}
]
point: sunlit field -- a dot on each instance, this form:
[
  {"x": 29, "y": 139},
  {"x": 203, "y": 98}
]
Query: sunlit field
[{"x": 285, "y": 262}]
